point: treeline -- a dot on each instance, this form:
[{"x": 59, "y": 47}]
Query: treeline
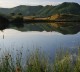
[{"x": 12, "y": 19}]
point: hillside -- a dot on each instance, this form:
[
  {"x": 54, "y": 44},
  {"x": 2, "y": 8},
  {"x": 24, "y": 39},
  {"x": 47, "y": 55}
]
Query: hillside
[
  {"x": 66, "y": 8},
  {"x": 43, "y": 11},
  {"x": 64, "y": 17}
]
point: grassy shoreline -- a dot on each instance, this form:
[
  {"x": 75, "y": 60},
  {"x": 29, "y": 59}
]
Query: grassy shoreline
[{"x": 39, "y": 62}]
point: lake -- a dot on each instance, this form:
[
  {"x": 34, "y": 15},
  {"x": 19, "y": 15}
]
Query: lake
[{"x": 48, "y": 38}]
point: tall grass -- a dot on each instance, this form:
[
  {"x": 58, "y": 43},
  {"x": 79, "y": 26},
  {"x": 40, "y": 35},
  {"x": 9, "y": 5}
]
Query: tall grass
[{"x": 39, "y": 62}]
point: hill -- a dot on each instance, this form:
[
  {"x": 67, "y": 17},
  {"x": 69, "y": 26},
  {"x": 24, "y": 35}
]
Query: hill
[
  {"x": 66, "y": 8},
  {"x": 25, "y": 10},
  {"x": 43, "y": 11}
]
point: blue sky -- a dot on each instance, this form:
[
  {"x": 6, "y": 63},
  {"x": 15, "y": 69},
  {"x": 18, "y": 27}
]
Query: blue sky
[{"x": 12, "y": 3}]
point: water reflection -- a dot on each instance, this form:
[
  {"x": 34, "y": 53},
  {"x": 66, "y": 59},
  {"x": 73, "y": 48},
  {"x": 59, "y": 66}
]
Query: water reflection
[
  {"x": 64, "y": 28},
  {"x": 4, "y": 23},
  {"x": 48, "y": 42},
  {"x": 18, "y": 25},
  {"x": 49, "y": 37}
]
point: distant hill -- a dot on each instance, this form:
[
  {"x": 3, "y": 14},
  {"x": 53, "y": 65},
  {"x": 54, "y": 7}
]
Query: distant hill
[
  {"x": 25, "y": 10},
  {"x": 43, "y": 11}
]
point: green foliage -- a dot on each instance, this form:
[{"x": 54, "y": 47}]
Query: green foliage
[{"x": 38, "y": 62}]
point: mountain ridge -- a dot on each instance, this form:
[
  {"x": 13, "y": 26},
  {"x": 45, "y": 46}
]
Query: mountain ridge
[{"x": 43, "y": 11}]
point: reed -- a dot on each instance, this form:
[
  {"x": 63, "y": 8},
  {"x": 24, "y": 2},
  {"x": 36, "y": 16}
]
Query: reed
[{"x": 39, "y": 62}]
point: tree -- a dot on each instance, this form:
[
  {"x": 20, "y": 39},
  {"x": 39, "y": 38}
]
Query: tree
[{"x": 12, "y": 14}]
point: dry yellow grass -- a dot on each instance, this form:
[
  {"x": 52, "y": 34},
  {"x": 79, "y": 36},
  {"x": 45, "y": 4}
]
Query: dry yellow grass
[{"x": 53, "y": 17}]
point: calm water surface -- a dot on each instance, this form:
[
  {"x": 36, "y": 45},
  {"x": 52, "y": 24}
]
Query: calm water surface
[{"x": 12, "y": 40}]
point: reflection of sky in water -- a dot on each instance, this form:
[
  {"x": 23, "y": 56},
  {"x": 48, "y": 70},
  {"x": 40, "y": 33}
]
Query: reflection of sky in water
[{"x": 46, "y": 41}]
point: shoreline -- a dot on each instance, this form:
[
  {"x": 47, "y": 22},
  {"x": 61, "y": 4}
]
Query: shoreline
[{"x": 45, "y": 21}]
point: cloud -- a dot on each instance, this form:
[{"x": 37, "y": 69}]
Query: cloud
[
  {"x": 9, "y": 3},
  {"x": 43, "y": 3},
  {"x": 12, "y": 3}
]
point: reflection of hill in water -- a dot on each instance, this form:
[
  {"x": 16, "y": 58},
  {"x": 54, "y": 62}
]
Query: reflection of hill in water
[
  {"x": 64, "y": 28},
  {"x": 4, "y": 23}
]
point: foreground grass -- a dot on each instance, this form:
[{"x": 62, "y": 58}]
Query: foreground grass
[{"x": 38, "y": 62}]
